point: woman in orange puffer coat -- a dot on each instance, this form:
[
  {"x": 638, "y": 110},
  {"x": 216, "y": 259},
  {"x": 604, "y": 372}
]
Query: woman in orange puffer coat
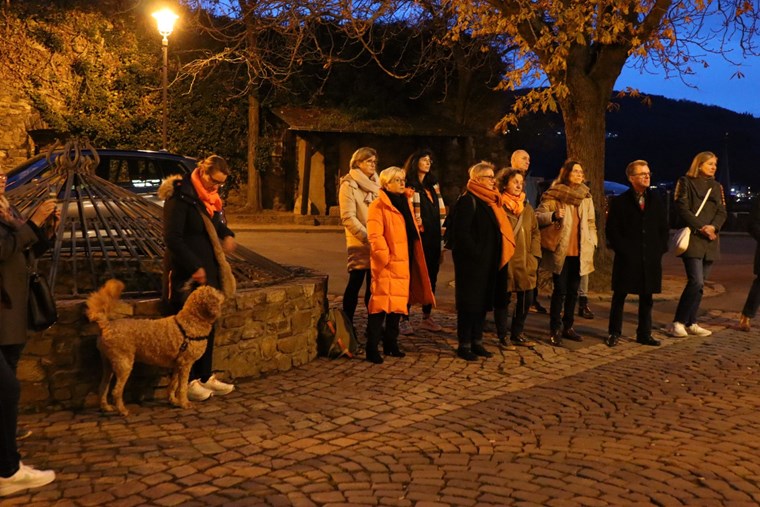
[{"x": 397, "y": 262}]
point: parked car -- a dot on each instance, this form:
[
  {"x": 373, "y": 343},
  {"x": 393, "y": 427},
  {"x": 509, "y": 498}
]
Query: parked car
[{"x": 138, "y": 171}]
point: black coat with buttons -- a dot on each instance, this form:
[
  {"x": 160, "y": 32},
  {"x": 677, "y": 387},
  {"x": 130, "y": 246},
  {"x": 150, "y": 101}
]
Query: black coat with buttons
[{"x": 639, "y": 240}]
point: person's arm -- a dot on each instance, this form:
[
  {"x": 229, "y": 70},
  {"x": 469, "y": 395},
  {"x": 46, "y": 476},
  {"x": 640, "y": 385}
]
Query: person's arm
[
  {"x": 720, "y": 200},
  {"x": 347, "y": 202},
  {"x": 754, "y": 220},
  {"x": 591, "y": 219},
  {"x": 545, "y": 213},
  {"x": 684, "y": 205},
  {"x": 13, "y": 242},
  {"x": 378, "y": 245},
  {"x": 175, "y": 216},
  {"x": 535, "y": 237},
  {"x": 464, "y": 226}
]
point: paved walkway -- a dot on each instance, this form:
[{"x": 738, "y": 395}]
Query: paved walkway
[{"x": 633, "y": 425}]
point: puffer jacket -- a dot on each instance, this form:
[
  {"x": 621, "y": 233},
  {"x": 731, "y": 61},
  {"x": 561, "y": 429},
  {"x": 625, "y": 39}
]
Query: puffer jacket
[
  {"x": 396, "y": 282},
  {"x": 554, "y": 261},
  {"x": 523, "y": 266},
  {"x": 354, "y": 208}
]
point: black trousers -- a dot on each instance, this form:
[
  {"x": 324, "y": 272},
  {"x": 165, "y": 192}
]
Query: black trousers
[
  {"x": 644, "y": 329},
  {"x": 351, "y": 295},
  {"x": 753, "y": 299},
  {"x": 10, "y": 392},
  {"x": 520, "y": 314},
  {"x": 565, "y": 294},
  {"x": 375, "y": 332},
  {"x": 470, "y": 329}
]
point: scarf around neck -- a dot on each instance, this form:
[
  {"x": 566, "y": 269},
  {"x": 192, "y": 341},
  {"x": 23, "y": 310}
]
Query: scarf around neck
[
  {"x": 567, "y": 194},
  {"x": 210, "y": 200},
  {"x": 514, "y": 203},
  {"x": 401, "y": 203},
  {"x": 367, "y": 183},
  {"x": 494, "y": 200}
]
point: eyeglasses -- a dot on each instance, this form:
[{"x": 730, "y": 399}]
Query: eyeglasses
[
  {"x": 371, "y": 161},
  {"x": 398, "y": 180},
  {"x": 487, "y": 176},
  {"x": 646, "y": 175},
  {"x": 214, "y": 181}
]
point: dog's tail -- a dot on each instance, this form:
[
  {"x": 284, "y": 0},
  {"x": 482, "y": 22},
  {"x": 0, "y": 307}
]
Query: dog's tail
[{"x": 105, "y": 304}]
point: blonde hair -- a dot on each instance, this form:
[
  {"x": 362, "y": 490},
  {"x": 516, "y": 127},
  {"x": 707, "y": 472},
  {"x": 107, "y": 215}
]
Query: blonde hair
[
  {"x": 480, "y": 167},
  {"x": 700, "y": 159},
  {"x": 387, "y": 174},
  {"x": 213, "y": 164},
  {"x": 360, "y": 156}
]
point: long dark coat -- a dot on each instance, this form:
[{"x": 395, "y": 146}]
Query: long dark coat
[
  {"x": 477, "y": 252},
  {"x": 19, "y": 244},
  {"x": 754, "y": 231},
  {"x": 639, "y": 240},
  {"x": 188, "y": 245},
  {"x": 689, "y": 194}
]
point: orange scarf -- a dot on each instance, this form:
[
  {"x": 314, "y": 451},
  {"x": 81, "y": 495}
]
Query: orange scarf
[
  {"x": 514, "y": 203},
  {"x": 211, "y": 200},
  {"x": 494, "y": 200}
]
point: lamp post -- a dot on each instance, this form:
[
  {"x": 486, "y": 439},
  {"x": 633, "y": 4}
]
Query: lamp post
[{"x": 165, "y": 19}]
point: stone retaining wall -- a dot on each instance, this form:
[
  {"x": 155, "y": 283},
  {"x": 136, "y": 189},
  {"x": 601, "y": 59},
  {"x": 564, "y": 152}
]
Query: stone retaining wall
[{"x": 261, "y": 331}]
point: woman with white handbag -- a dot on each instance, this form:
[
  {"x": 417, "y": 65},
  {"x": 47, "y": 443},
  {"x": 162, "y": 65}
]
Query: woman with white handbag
[{"x": 702, "y": 207}]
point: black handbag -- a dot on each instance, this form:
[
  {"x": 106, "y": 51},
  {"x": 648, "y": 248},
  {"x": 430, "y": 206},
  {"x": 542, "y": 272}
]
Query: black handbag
[{"x": 42, "y": 312}]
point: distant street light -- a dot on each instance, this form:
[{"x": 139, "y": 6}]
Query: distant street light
[{"x": 165, "y": 19}]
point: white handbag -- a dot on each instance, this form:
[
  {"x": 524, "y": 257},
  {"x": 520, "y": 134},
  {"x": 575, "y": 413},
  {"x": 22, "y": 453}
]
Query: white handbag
[{"x": 679, "y": 242}]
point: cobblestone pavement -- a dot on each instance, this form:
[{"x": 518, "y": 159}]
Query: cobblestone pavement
[{"x": 632, "y": 425}]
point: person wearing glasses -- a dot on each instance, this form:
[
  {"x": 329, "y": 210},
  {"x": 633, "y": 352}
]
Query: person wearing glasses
[
  {"x": 637, "y": 231},
  {"x": 197, "y": 241},
  {"x": 357, "y": 190},
  {"x": 430, "y": 212},
  {"x": 568, "y": 240},
  {"x": 21, "y": 240},
  {"x": 483, "y": 244},
  {"x": 399, "y": 273},
  {"x": 698, "y": 186}
]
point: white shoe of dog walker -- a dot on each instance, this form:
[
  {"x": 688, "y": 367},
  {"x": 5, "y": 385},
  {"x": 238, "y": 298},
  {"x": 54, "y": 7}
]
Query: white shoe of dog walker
[
  {"x": 217, "y": 386},
  {"x": 196, "y": 391}
]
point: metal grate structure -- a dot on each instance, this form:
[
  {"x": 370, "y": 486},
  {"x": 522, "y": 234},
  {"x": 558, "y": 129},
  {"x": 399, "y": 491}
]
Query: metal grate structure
[{"x": 109, "y": 232}]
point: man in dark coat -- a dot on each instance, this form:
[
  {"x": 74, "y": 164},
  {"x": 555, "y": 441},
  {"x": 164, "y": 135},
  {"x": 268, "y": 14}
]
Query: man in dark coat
[{"x": 637, "y": 231}]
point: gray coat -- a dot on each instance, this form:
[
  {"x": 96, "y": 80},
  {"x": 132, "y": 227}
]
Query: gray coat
[{"x": 19, "y": 243}]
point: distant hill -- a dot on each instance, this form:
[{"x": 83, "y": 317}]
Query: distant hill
[{"x": 665, "y": 132}]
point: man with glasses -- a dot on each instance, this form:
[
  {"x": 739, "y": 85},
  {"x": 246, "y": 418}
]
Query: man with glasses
[{"x": 637, "y": 231}]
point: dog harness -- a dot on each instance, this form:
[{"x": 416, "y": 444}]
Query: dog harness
[{"x": 187, "y": 339}]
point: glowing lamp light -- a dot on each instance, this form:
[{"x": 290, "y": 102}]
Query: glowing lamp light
[{"x": 165, "y": 19}]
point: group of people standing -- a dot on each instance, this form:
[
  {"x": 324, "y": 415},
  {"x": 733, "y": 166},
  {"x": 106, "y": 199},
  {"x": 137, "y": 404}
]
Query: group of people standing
[{"x": 395, "y": 223}]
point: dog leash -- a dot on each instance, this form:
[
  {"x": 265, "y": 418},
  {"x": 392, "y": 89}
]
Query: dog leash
[{"x": 187, "y": 339}]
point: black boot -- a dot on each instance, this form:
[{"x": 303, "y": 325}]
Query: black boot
[
  {"x": 371, "y": 353},
  {"x": 583, "y": 309}
]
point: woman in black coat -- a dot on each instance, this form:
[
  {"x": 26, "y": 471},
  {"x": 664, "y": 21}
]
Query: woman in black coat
[
  {"x": 21, "y": 240},
  {"x": 753, "y": 298},
  {"x": 483, "y": 243},
  {"x": 704, "y": 242},
  {"x": 197, "y": 239},
  {"x": 637, "y": 231}
]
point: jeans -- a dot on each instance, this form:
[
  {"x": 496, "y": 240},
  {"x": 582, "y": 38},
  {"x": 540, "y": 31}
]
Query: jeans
[
  {"x": 470, "y": 329},
  {"x": 697, "y": 271},
  {"x": 351, "y": 295},
  {"x": 565, "y": 294},
  {"x": 583, "y": 287},
  {"x": 9, "y": 398},
  {"x": 644, "y": 329},
  {"x": 753, "y": 299}
]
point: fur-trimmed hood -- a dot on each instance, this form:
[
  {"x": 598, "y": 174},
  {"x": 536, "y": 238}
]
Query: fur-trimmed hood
[{"x": 166, "y": 190}]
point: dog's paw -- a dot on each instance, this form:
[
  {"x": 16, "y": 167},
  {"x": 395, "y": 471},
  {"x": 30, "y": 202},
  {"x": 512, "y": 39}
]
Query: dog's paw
[
  {"x": 123, "y": 410},
  {"x": 107, "y": 407}
]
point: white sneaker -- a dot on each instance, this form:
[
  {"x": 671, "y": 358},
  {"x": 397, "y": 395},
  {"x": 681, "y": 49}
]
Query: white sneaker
[
  {"x": 678, "y": 330},
  {"x": 697, "y": 330},
  {"x": 405, "y": 327},
  {"x": 217, "y": 386},
  {"x": 25, "y": 478},
  {"x": 430, "y": 325},
  {"x": 196, "y": 391}
]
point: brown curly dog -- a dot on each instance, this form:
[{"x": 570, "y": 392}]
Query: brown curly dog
[{"x": 171, "y": 342}]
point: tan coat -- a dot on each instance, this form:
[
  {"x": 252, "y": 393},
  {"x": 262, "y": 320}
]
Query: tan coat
[
  {"x": 523, "y": 266},
  {"x": 554, "y": 260},
  {"x": 354, "y": 205}
]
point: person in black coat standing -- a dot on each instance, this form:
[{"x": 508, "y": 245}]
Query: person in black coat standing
[
  {"x": 637, "y": 231},
  {"x": 753, "y": 298},
  {"x": 483, "y": 243}
]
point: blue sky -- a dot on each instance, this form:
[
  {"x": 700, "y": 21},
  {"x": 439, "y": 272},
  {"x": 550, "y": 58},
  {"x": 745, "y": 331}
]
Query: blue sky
[{"x": 714, "y": 85}]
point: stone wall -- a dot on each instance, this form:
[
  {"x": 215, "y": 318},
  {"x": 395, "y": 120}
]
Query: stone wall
[
  {"x": 261, "y": 331},
  {"x": 18, "y": 118}
]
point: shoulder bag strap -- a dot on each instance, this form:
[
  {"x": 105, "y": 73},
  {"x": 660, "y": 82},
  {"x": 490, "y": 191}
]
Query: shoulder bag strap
[{"x": 703, "y": 202}]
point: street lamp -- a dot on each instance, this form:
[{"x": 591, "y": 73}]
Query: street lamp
[{"x": 165, "y": 19}]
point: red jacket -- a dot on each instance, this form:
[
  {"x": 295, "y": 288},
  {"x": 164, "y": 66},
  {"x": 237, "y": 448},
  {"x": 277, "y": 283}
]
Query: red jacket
[{"x": 393, "y": 285}]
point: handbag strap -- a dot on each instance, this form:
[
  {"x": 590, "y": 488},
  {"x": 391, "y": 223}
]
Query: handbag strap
[
  {"x": 703, "y": 202},
  {"x": 518, "y": 224}
]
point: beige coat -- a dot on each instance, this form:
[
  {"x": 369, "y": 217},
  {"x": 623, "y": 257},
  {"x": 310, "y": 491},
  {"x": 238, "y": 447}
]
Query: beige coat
[
  {"x": 523, "y": 266},
  {"x": 354, "y": 205},
  {"x": 553, "y": 261}
]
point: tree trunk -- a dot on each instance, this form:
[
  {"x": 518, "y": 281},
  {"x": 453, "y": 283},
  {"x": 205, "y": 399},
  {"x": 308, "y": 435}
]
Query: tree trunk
[{"x": 254, "y": 179}]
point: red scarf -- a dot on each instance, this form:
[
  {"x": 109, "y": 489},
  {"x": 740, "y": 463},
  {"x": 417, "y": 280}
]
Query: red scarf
[
  {"x": 494, "y": 200},
  {"x": 211, "y": 200}
]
